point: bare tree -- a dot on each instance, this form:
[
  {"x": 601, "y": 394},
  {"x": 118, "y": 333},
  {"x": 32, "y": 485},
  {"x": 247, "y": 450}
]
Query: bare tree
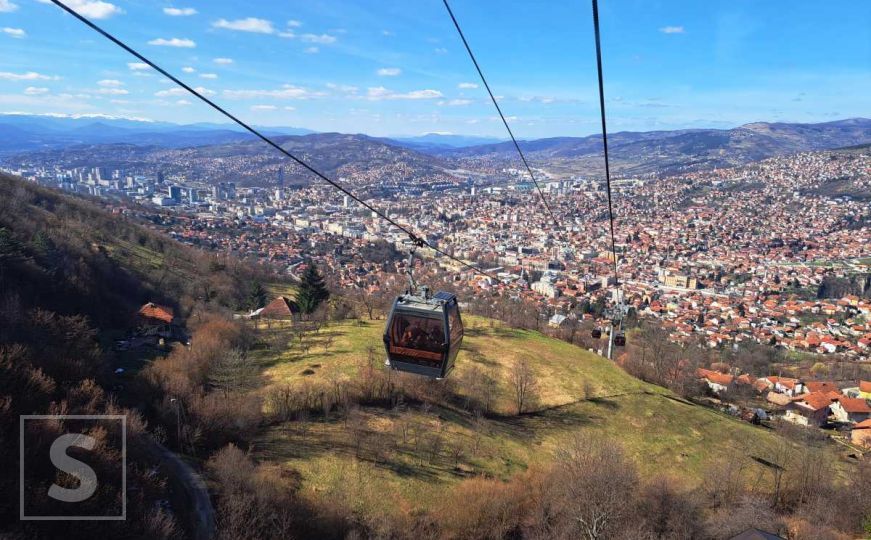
[
  {"x": 525, "y": 385},
  {"x": 329, "y": 339},
  {"x": 590, "y": 492}
]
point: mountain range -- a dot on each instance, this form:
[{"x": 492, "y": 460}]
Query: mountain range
[
  {"x": 80, "y": 140},
  {"x": 22, "y": 133}
]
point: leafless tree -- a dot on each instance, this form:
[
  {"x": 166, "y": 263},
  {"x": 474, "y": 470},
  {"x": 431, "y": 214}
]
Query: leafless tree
[
  {"x": 525, "y": 385},
  {"x": 589, "y": 494}
]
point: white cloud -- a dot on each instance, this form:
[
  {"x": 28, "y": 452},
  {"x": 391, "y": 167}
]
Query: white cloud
[
  {"x": 93, "y": 9},
  {"x": 250, "y": 24},
  {"x": 323, "y": 39},
  {"x": 440, "y": 50},
  {"x": 112, "y": 92},
  {"x": 173, "y": 42},
  {"x": 344, "y": 88},
  {"x": 311, "y": 50},
  {"x": 208, "y": 75},
  {"x": 188, "y": 69},
  {"x": 263, "y": 108},
  {"x": 182, "y": 102},
  {"x": 7, "y": 7},
  {"x": 110, "y": 83},
  {"x": 17, "y": 33},
  {"x": 223, "y": 61},
  {"x": 455, "y": 102},
  {"x": 389, "y": 72},
  {"x": 172, "y": 92},
  {"x": 29, "y": 76},
  {"x": 179, "y": 12},
  {"x": 467, "y": 86},
  {"x": 672, "y": 30},
  {"x": 379, "y": 93},
  {"x": 34, "y": 91},
  {"x": 138, "y": 66},
  {"x": 286, "y": 92},
  {"x": 289, "y": 108},
  {"x": 288, "y": 34},
  {"x": 293, "y": 23}
]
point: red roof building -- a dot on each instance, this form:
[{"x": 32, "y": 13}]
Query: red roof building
[
  {"x": 154, "y": 313},
  {"x": 280, "y": 308}
]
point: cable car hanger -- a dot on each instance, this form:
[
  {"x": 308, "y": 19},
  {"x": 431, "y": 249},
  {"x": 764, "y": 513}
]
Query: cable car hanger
[{"x": 423, "y": 333}]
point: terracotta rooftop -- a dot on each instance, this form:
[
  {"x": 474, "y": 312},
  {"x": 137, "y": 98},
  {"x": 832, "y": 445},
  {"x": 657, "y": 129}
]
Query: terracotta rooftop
[
  {"x": 157, "y": 312},
  {"x": 854, "y": 405}
]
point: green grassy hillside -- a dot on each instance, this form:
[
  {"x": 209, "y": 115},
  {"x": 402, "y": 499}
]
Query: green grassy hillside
[{"x": 413, "y": 453}]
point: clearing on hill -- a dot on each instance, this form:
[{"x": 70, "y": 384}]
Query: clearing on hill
[{"x": 413, "y": 452}]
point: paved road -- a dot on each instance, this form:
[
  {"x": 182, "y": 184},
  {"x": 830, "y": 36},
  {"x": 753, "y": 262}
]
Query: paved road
[{"x": 191, "y": 488}]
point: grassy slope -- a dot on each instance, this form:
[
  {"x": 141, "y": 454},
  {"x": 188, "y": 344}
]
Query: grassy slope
[{"x": 661, "y": 432}]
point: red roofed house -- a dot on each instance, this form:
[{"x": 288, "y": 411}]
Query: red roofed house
[
  {"x": 280, "y": 308},
  {"x": 852, "y": 410},
  {"x": 861, "y": 434},
  {"x": 821, "y": 386},
  {"x": 809, "y": 409},
  {"x": 717, "y": 382},
  {"x": 156, "y": 320},
  {"x": 865, "y": 389}
]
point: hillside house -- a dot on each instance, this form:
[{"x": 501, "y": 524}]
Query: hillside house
[
  {"x": 716, "y": 381},
  {"x": 783, "y": 385},
  {"x": 861, "y": 434},
  {"x": 280, "y": 308},
  {"x": 809, "y": 409},
  {"x": 820, "y": 386},
  {"x": 557, "y": 321},
  {"x": 850, "y": 410},
  {"x": 156, "y": 320}
]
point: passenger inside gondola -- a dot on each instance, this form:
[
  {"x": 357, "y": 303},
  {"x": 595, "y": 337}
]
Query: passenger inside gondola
[{"x": 419, "y": 333}]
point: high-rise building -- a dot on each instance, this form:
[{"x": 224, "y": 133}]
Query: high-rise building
[
  {"x": 280, "y": 176},
  {"x": 175, "y": 193}
]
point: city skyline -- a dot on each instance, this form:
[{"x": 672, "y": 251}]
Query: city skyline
[{"x": 398, "y": 71}]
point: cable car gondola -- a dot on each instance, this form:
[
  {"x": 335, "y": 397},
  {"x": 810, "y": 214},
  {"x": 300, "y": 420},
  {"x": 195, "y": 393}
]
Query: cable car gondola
[
  {"x": 620, "y": 339},
  {"x": 596, "y": 333},
  {"x": 423, "y": 333}
]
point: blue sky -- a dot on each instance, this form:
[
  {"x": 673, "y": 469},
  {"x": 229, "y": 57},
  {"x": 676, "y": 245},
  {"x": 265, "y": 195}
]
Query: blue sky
[{"x": 397, "y": 67}]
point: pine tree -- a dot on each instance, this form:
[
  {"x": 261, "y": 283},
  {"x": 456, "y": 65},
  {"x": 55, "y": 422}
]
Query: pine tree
[
  {"x": 257, "y": 296},
  {"x": 46, "y": 252},
  {"x": 312, "y": 290}
]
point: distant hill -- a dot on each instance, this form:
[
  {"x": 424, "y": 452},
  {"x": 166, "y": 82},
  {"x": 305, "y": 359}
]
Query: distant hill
[
  {"x": 642, "y": 152},
  {"x": 250, "y": 162},
  {"x": 434, "y": 141},
  {"x": 20, "y": 133},
  {"x": 191, "y": 150}
]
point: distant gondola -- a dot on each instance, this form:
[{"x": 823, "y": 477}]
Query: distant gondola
[
  {"x": 424, "y": 333},
  {"x": 596, "y": 333},
  {"x": 620, "y": 339}
]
